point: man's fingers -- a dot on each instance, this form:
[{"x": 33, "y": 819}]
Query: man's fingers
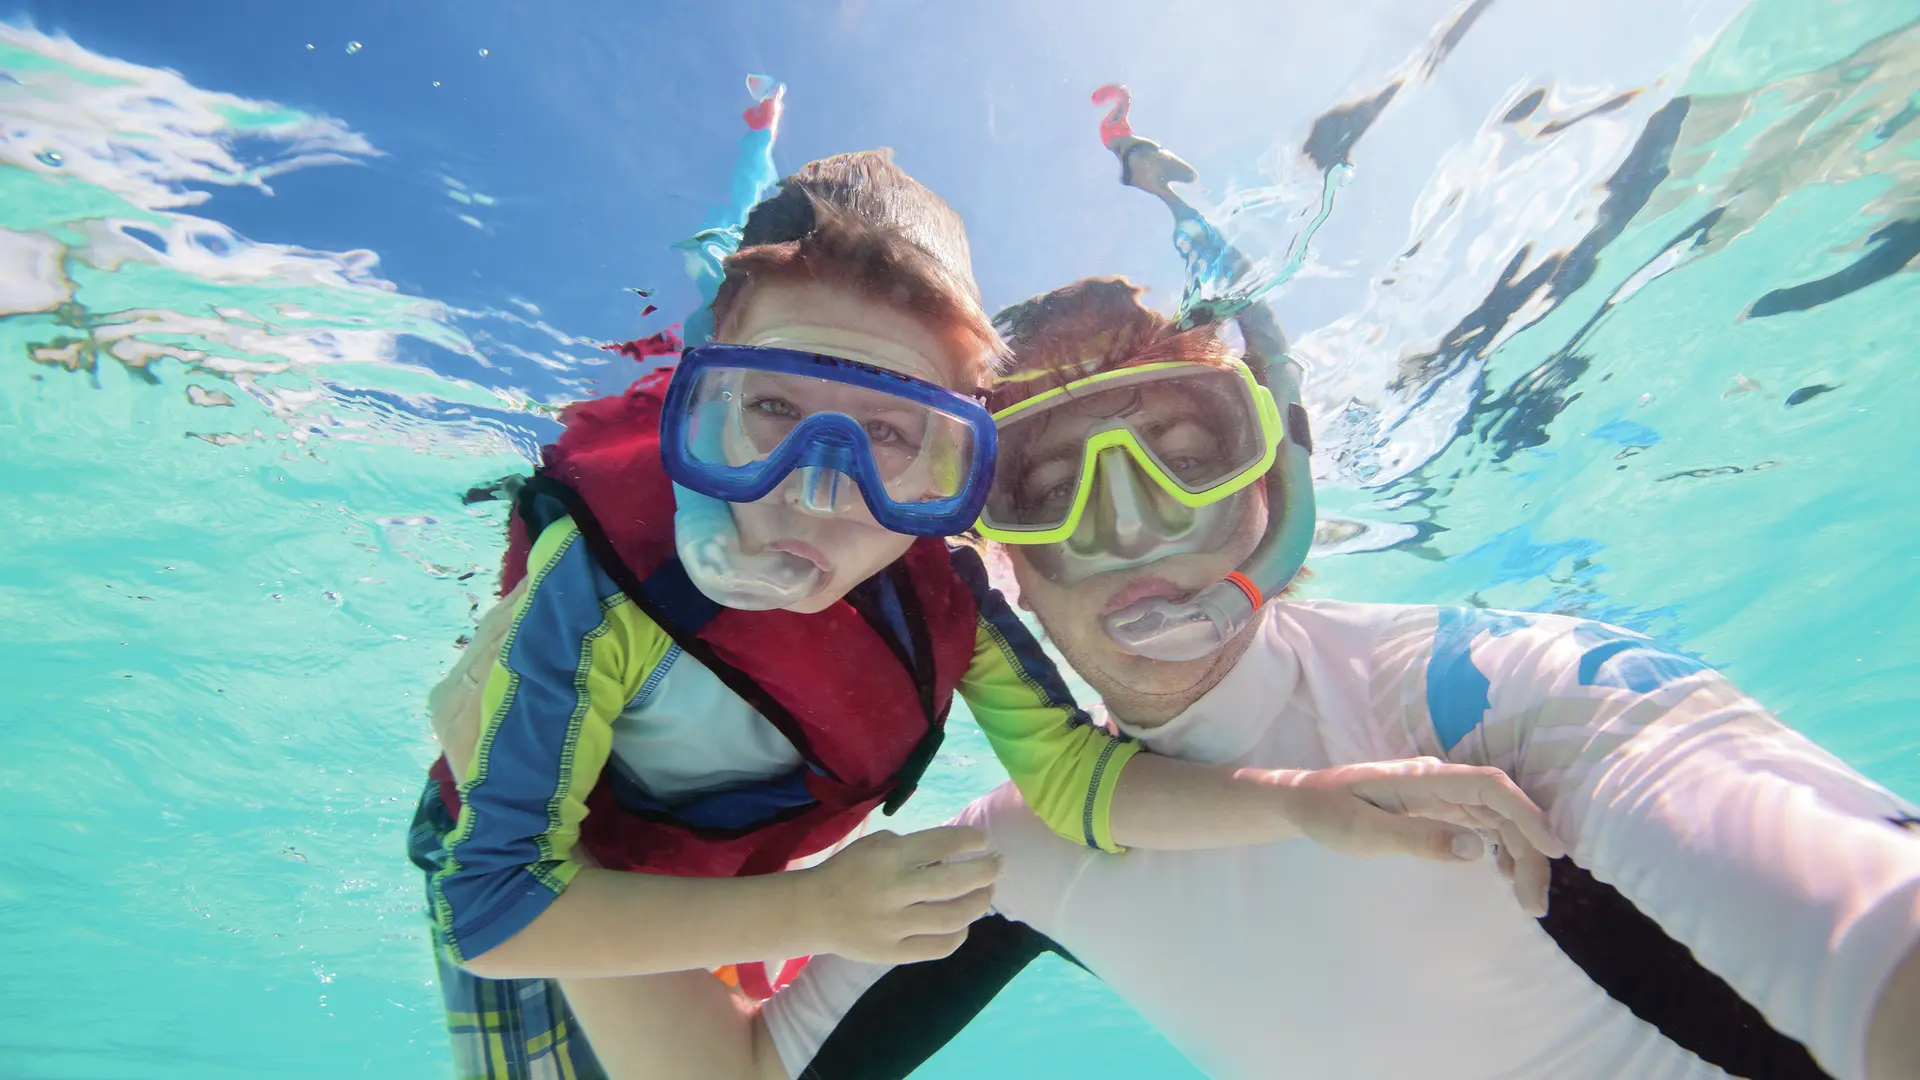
[
  {"x": 1531, "y": 872},
  {"x": 1381, "y": 833},
  {"x": 946, "y": 842},
  {"x": 1495, "y": 790},
  {"x": 1520, "y": 862}
]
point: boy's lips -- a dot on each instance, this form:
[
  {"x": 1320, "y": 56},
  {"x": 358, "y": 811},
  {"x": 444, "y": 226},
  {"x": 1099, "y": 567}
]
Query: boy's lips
[
  {"x": 1142, "y": 588},
  {"x": 802, "y": 549}
]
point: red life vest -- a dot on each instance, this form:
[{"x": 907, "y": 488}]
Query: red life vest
[{"x": 864, "y": 709}]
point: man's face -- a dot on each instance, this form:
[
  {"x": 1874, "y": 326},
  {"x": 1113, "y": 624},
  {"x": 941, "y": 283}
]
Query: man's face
[
  {"x": 1073, "y": 614},
  {"x": 849, "y": 546}
]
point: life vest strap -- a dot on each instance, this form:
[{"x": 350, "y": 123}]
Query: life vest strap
[
  {"x": 670, "y": 582},
  {"x": 895, "y": 583}
]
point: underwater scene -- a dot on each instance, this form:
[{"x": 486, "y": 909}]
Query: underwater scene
[{"x": 1602, "y": 311}]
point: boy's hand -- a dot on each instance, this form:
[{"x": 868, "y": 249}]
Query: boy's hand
[
  {"x": 891, "y": 899},
  {"x": 1426, "y": 807}
]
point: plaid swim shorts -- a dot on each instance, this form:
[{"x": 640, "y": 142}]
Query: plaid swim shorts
[{"x": 502, "y": 1029}]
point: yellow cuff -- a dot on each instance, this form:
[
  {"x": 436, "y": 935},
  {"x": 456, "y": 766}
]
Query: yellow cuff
[{"x": 1100, "y": 789}]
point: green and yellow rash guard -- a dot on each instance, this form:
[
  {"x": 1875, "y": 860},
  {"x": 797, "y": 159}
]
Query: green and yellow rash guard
[{"x": 583, "y": 674}]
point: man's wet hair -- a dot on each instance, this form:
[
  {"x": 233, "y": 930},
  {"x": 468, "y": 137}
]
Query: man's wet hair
[{"x": 1094, "y": 325}]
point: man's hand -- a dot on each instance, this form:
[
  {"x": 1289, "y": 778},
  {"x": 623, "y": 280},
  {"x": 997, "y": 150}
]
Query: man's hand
[
  {"x": 1428, "y": 808},
  {"x": 891, "y": 899}
]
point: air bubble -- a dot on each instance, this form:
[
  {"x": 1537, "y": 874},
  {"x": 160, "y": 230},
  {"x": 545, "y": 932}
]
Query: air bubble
[
  {"x": 353, "y": 47},
  {"x": 52, "y": 159},
  {"x": 483, "y": 52}
]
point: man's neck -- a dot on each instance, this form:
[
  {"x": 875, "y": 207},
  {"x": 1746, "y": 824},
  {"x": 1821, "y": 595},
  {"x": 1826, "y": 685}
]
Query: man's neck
[{"x": 1140, "y": 710}]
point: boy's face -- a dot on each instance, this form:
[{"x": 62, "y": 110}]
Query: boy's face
[{"x": 848, "y": 546}]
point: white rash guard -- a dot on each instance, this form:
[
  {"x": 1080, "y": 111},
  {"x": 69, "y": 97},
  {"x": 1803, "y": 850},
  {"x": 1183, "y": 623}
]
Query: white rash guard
[{"x": 1785, "y": 873}]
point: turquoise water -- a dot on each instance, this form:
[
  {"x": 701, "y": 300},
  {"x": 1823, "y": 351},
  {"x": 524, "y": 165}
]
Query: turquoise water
[{"x": 1649, "y": 360}]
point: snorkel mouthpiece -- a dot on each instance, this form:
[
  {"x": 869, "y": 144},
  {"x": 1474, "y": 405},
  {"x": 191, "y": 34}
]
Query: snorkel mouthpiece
[
  {"x": 709, "y": 548},
  {"x": 1173, "y": 631}
]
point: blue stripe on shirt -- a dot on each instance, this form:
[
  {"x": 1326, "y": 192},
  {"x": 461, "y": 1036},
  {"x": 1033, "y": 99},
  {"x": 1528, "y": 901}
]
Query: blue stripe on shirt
[
  {"x": 1457, "y": 690},
  {"x": 499, "y": 873}
]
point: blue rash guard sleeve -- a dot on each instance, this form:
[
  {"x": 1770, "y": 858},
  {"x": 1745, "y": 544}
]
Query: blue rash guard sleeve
[{"x": 577, "y": 651}]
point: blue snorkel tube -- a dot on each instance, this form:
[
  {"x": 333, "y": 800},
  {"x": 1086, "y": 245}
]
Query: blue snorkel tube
[
  {"x": 1222, "y": 284},
  {"x": 704, "y": 534}
]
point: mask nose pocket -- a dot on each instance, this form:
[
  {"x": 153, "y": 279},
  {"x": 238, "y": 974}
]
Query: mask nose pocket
[
  {"x": 823, "y": 491},
  {"x": 1130, "y": 516}
]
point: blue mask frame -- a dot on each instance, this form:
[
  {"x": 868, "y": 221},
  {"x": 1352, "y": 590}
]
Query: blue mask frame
[{"x": 827, "y": 440}]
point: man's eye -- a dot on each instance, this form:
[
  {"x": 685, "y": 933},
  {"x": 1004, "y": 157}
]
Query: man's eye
[
  {"x": 1038, "y": 493},
  {"x": 779, "y": 407},
  {"x": 1059, "y": 492}
]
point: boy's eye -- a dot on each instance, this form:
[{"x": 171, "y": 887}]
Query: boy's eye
[
  {"x": 775, "y": 407},
  {"x": 883, "y": 433}
]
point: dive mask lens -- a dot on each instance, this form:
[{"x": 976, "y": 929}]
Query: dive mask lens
[
  {"x": 741, "y": 419},
  {"x": 1199, "y": 431}
]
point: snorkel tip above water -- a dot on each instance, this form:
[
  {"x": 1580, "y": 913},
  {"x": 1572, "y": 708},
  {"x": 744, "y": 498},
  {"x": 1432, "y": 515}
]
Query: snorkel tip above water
[
  {"x": 705, "y": 536},
  {"x": 1144, "y": 164},
  {"x": 1170, "y": 630}
]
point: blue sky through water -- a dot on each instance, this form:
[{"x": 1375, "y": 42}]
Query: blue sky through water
[{"x": 602, "y": 132}]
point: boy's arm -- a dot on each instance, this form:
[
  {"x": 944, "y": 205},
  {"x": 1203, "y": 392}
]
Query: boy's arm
[
  {"x": 1065, "y": 766},
  {"x": 1789, "y": 875},
  {"x": 511, "y": 901}
]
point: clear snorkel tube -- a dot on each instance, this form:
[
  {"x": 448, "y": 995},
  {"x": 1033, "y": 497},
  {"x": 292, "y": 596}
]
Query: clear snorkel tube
[
  {"x": 1164, "y": 629},
  {"x": 704, "y": 534}
]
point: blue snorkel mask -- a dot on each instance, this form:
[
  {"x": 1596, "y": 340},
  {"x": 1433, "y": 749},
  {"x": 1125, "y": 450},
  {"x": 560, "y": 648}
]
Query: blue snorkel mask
[{"x": 741, "y": 421}]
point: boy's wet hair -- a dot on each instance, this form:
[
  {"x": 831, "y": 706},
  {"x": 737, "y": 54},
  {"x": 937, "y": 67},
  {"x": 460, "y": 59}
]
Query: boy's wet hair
[
  {"x": 1093, "y": 325},
  {"x": 860, "y": 221}
]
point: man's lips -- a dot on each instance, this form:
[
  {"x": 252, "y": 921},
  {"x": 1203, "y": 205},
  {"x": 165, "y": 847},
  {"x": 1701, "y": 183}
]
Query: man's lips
[{"x": 1142, "y": 588}]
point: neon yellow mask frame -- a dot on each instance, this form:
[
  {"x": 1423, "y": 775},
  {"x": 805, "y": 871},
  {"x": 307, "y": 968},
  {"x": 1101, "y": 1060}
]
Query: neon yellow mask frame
[{"x": 1122, "y": 436}]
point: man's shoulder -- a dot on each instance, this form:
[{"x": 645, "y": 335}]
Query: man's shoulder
[
  {"x": 1352, "y": 613},
  {"x": 1341, "y": 625}
]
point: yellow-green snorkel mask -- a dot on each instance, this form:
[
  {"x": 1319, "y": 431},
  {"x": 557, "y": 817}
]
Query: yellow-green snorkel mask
[
  {"x": 1200, "y": 433},
  {"x": 1127, "y": 467}
]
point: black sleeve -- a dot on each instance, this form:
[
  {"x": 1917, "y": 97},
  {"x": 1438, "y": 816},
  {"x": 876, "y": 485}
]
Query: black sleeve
[{"x": 915, "y": 1009}]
